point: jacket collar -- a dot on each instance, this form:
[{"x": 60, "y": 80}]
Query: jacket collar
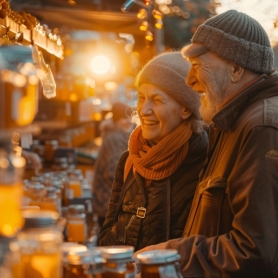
[{"x": 264, "y": 87}]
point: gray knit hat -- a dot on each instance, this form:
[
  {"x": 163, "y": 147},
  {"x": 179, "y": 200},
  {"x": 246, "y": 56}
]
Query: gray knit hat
[
  {"x": 236, "y": 37},
  {"x": 168, "y": 71}
]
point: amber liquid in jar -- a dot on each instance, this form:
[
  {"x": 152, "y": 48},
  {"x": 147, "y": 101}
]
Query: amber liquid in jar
[
  {"x": 42, "y": 265},
  {"x": 129, "y": 272},
  {"x": 76, "y": 187},
  {"x": 76, "y": 231},
  {"x": 10, "y": 214},
  {"x": 48, "y": 206},
  {"x": 150, "y": 271}
]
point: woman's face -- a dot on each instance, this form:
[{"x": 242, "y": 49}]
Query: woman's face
[{"x": 159, "y": 113}]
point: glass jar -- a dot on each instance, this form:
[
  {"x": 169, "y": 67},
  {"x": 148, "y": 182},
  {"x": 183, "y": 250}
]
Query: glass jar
[
  {"x": 49, "y": 149},
  {"x": 58, "y": 184},
  {"x": 159, "y": 264},
  {"x": 76, "y": 226},
  {"x": 119, "y": 262},
  {"x": 47, "y": 179},
  {"x": 10, "y": 258},
  {"x": 40, "y": 242},
  {"x": 89, "y": 216},
  {"x": 36, "y": 191},
  {"x": 50, "y": 201},
  {"x": 66, "y": 247},
  {"x": 13, "y": 260},
  {"x": 75, "y": 185},
  {"x": 11, "y": 192},
  {"x": 83, "y": 264}
]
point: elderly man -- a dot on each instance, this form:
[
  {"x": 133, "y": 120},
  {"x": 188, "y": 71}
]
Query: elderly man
[{"x": 232, "y": 229}]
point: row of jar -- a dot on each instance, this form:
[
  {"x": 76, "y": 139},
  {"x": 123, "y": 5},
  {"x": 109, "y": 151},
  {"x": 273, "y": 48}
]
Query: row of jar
[
  {"x": 71, "y": 183},
  {"x": 38, "y": 251},
  {"x": 48, "y": 191}
]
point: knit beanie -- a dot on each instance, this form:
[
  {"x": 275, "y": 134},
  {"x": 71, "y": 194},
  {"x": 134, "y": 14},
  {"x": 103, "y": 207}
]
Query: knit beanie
[
  {"x": 168, "y": 72},
  {"x": 120, "y": 110},
  {"x": 239, "y": 38}
]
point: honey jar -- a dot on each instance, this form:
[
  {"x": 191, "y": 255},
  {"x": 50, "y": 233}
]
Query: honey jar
[
  {"x": 159, "y": 264},
  {"x": 83, "y": 264},
  {"x": 76, "y": 226},
  {"x": 119, "y": 262},
  {"x": 40, "y": 241}
]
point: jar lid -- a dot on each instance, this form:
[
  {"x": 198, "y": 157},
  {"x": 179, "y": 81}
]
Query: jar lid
[
  {"x": 36, "y": 185},
  {"x": 76, "y": 209},
  {"x": 50, "y": 190},
  {"x": 39, "y": 219},
  {"x": 67, "y": 247},
  {"x": 82, "y": 257},
  {"x": 117, "y": 252},
  {"x": 52, "y": 142},
  {"x": 158, "y": 256}
]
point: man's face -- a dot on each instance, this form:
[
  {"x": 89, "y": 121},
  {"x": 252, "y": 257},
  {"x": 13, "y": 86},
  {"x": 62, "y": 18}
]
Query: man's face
[{"x": 209, "y": 76}]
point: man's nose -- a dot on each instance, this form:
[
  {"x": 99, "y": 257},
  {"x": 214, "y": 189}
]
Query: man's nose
[{"x": 191, "y": 78}]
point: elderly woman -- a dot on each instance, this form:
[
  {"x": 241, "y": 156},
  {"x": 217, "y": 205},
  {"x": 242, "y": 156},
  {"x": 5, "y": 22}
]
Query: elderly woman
[{"x": 156, "y": 178}]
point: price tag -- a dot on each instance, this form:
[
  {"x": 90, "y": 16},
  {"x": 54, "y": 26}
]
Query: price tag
[{"x": 168, "y": 271}]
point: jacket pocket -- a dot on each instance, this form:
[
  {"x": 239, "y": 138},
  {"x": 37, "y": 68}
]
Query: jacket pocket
[
  {"x": 213, "y": 207},
  {"x": 120, "y": 228}
]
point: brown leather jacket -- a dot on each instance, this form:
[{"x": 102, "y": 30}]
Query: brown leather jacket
[{"x": 232, "y": 229}]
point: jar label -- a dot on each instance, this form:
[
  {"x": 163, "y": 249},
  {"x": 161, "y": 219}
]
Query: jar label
[{"x": 168, "y": 271}]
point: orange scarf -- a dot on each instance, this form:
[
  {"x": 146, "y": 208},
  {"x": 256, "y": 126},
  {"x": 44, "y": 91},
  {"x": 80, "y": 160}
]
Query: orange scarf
[{"x": 161, "y": 160}]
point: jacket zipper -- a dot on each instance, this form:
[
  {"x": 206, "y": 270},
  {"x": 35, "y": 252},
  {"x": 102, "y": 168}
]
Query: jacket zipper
[{"x": 127, "y": 226}]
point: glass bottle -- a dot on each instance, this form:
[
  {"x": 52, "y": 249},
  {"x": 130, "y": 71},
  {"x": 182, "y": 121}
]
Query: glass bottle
[
  {"x": 119, "y": 262},
  {"x": 40, "y": 242},
  {"x": 76, "y": 226},
  {"x": 159, "y": 264}
]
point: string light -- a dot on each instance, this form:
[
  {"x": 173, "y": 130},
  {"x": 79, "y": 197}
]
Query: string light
[
  {"x": 149, "y": 36},
  {"x": 147, "y": 2},
  {"x": 142, "y": 14},
  {"x": 159, "y": 24},
  {"x": 144, "y": 26},
  {"x": 157, "y": 14}
]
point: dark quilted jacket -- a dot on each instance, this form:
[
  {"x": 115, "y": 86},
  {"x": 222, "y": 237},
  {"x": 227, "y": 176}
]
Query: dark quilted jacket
[{"x": 163, "y": 205}]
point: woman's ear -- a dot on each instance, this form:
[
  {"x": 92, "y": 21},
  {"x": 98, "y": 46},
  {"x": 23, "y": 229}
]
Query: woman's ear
[{"x": 185, "y": 113}]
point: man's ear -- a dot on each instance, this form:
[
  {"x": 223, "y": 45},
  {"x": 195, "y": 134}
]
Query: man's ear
[
  {"x": 236, "y": 72},
  {"x": 185, "y": 113}
]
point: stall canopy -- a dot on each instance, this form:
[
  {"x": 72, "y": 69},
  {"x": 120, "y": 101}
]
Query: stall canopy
[{"x": 72, "y": 18}]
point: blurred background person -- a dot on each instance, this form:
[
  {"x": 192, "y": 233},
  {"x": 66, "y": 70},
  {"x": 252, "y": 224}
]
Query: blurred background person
[
  {"x": 156, "y": 179},
  {"x": 115, "y": 132}
]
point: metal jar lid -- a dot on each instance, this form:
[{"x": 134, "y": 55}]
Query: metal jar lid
[
  {"x": 82, "y": 257},
  {"x": 67, "y": 247},
  {"x": 158, "y": 256},
  {"x": 117, "y": 252},
  {"x": 75, "y": 209},
  {"x": 39, "y": 219}
]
